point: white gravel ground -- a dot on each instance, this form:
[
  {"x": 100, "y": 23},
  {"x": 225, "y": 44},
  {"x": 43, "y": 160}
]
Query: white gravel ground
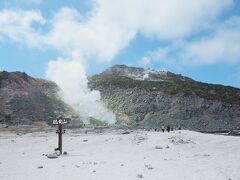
[{"x": 179, "y": 155}]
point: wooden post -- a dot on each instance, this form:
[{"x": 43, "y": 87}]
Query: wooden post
[
  {"x": 60, "y": 121},
  {"x": 60, "y": 138}
]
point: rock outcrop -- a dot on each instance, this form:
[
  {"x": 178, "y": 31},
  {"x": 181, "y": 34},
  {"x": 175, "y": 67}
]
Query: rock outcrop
[
  {"x": 24, "y": 99},
  {"x": 147, "y": 98}
]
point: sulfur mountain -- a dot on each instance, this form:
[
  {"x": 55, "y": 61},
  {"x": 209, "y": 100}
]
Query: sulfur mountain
[
  {"x": 147, "y": 98},
  {"x": 24, "y": 99}
]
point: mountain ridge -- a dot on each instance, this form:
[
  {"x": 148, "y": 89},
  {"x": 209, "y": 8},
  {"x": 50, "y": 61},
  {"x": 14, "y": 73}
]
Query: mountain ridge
[
  {"x": 24, "y": 99},
  {"x": 167, "y": 98},
  {"x": 138, "y": 97}
]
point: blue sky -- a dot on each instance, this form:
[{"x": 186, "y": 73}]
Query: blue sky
[{"x": 200, "y": 39}]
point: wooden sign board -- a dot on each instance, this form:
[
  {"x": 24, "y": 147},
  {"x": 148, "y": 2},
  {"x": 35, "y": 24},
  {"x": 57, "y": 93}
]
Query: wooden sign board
[{"x": 60, "y": 121}]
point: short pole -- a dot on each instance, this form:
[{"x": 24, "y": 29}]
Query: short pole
[
  {"x": 60, "y": 122},
  {"x": 60, "y": 138}
]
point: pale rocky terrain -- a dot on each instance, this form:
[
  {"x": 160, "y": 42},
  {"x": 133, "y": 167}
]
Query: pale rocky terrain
[{"x": 178, "y": 155}]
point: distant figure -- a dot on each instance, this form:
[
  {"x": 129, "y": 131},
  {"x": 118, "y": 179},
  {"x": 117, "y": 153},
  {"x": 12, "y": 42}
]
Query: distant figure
[
  {"x": 168, "y": 128},
  {"x": 162, "y": 127}
]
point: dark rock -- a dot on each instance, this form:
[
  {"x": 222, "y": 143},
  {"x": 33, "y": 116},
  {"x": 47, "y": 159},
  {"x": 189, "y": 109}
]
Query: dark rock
[
  {"x": 234, "y": 133},
  {"x": 158, "y": 147},
  {"x": 139, "y": 176},
  {"x": 149, "y": 166}
]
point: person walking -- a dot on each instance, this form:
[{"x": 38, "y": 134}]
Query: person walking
[
  {"x": 163, "y": 128},
  {"x": 168, "y": 128}
]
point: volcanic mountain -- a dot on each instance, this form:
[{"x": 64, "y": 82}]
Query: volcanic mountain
[
  {"x": 24, "y": 99},
  {"x": 147, "y": 98}
]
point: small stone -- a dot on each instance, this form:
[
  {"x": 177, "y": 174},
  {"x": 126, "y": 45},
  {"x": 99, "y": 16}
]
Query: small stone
[
  {"x": 139, "y": 176},
  {"x": 206, "y": 155},
  {"x": 122, "y": 164},
  {"x": 52, "y": 156},
  {"x": 40, "y": 167},
  {"x": 94, "y": 171},
  {"x": 158, "y": 147},
  {"x": 57, "y": 153},
  {"x": 167, "y": 147},
  {"x": 85, "y": 140},
  {"x": 148, "y": 166},
  {"x": 77, "y": 166},
  {"x": 65, "y": 153}
]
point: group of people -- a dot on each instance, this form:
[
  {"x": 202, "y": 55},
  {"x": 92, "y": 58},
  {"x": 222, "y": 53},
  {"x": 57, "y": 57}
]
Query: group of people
[{"x": 163, "y": 128}]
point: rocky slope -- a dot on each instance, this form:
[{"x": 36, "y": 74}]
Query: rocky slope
[
  {"x": 147, "y": 98},
  {"x": 24, "y": 99}
]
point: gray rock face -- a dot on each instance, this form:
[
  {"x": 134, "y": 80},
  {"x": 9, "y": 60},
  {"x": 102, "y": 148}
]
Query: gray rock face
[
  {"x": 24, "y": 99},
  {"x": 169, "y": 99}
]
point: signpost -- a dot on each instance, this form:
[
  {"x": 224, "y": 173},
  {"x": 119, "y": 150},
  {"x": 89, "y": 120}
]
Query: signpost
[{"x": 60, "y": 121}]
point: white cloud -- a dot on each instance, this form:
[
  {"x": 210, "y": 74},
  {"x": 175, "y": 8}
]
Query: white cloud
[
  {"x": 145, "y": 61},
  {"x": 164, "y": 19},
  {"x": 111, "y": 25},
  {"x": 162, "y": 55},
  {"x": 223, "y": 45},
  {"x": 90, "y": 38},
  {"x": 17, "y": 26}
]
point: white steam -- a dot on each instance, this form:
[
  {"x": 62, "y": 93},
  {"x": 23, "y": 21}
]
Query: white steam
[{"x": 72, "y": 79}]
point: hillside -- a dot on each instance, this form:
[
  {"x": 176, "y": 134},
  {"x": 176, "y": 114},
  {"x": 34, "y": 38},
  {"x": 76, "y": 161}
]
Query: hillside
[
  {"x": 147, "y": 98},
  {"x": 24, "y": 99}
]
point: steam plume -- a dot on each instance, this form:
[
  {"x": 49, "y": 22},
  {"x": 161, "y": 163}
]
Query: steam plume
[{"x": 70, "y": 75}]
